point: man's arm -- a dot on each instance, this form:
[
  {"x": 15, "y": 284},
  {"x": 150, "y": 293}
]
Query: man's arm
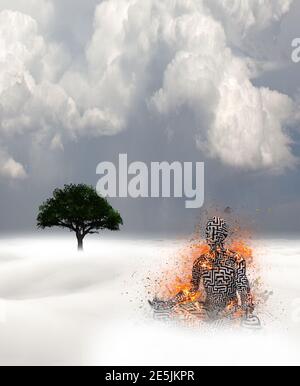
[
  {"x": 243, "y": 287},
  {"x": 182, "y": 296},
  {"x": 197, "y": 275}
]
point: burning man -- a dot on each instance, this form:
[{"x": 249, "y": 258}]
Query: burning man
[{"x": 223, "y": 274}]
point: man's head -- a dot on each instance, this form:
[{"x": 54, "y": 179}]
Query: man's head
[{"x": 216, "y": 232}]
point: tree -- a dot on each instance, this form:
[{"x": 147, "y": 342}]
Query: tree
[{"x": 81, "y": 210}]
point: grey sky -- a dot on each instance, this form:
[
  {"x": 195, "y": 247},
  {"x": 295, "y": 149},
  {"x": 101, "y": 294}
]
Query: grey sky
[{"x": 166, "y": 131}]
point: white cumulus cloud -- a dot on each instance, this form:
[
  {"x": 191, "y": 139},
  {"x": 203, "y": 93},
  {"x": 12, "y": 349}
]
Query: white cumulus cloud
[
  {"x": 53, "y": 97},
  {"x": 241, "y": 17},
  {"x": 41, "y": 10},
  {"x": 32, "y": 101},
  {"x": 10, "y": 168}
]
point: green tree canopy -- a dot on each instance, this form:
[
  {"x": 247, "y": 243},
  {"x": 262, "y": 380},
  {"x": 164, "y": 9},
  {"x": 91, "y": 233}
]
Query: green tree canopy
[{"x": 81, "y": 210}]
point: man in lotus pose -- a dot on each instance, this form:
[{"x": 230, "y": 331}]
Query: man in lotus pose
[{"x": 223, "y": 274}]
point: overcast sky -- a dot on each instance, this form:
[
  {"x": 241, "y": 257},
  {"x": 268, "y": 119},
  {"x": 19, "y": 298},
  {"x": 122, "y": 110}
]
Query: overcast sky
[{"x": 184, "y": 80}]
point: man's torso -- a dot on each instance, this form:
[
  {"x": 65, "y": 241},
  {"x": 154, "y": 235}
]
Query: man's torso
[{"x": 219, "y": 279}]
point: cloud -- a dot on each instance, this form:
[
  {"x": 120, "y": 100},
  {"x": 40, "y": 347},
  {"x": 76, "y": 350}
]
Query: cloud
[
  {"x": 243, "y": 125},
  {"x": 10, "y": 168},
  {"x": 40, "y": 10},
  {"x": 238, "y": 123},
  {"x": 243, "y": 17},
  {"x": 31, "y": 95},
  {"x": 53, "y": 97},
  {"x": 32, "y": 101}
]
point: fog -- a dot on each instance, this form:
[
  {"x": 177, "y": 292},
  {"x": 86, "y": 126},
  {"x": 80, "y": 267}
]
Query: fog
[{"x": 61, "y": 307}]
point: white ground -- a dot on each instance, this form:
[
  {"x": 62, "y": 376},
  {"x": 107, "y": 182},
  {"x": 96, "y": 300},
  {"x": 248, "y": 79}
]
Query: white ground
[{"x": 58, "y": 307}]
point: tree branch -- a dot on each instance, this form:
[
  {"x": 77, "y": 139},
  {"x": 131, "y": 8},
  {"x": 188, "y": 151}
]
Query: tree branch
[{"x": 63, "y": 224}]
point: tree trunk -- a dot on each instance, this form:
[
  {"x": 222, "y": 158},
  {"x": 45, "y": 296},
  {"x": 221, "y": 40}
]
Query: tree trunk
[{"x": 80, "y": 242}]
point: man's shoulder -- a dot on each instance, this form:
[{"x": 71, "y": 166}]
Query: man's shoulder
[
  {"x": 203, "y": 261},
  {"x": 235, "y": 257}
]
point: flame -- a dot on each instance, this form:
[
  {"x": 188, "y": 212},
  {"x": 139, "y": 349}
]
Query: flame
[
  {"x": 171, "y": 283},
  {"x": 231, "y": 305},
  {"x": 243, "y": 250},
  {"x": 178, "y": 285},
  {"x": 177, "y": 277}
]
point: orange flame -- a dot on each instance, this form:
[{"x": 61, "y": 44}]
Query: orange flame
[
  {"x": 171, "y": 283},
  {"x": 241, "y": 248}
]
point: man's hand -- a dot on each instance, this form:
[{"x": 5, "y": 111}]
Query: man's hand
[
  {"x": 251, "y": 321},
  {"x": 161, "y": 305}
]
